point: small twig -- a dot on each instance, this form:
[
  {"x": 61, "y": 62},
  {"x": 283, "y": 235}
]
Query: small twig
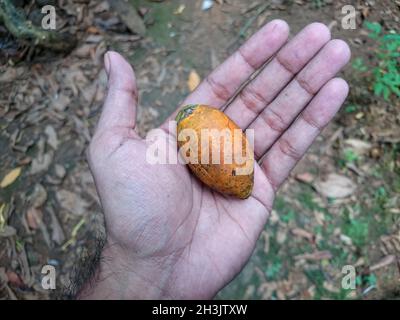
[{"x": 247, "y": 25}]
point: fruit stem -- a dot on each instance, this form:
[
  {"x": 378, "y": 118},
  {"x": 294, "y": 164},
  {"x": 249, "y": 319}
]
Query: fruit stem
[{"x": 186, "y": 111}]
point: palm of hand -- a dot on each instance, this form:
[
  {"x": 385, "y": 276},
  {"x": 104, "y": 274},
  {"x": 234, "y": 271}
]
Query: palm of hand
[
  {"x": 161, "y": 212},
  {"x": 171, "y": 214}
]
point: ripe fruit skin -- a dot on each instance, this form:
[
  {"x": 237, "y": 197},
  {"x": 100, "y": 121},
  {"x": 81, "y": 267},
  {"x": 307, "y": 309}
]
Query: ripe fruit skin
[{"x": 220, "y": 177}]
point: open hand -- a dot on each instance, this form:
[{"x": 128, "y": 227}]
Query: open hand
[{"x": 169, "y": 236}]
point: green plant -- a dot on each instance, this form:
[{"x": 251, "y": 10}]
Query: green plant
[
  {"x": 273, "y": 270},
  {"x": 367, "y": 280},
  {"x": 350, "y": 156},
  {"x": 351, "y": 108},
  {"x": 386, "y": 74},
  {"x": 359, "y": 65},
  {"x": 381, "y": 196},
  {"x": 319, "y": 3},
  {"x": 289, "y": 216},
  {"x": 356, "y": 228}
]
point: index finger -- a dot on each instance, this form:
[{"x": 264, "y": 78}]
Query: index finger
[{"x": 221, "y": 84}]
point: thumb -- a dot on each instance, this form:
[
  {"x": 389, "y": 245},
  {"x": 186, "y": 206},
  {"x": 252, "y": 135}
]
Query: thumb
[{"x": 120, "y": 104}]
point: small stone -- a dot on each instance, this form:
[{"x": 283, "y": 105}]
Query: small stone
[{"x": 60, "y": 171}]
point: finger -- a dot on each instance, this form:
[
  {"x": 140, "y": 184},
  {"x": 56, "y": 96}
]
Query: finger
[
  {"x": 281, "y": 112},
  {"x": 291, "y": 146},
  {"x": 277, "y": 73},
  {"x": 218, "y": 87},
  {"x": 120, "y": 104}
]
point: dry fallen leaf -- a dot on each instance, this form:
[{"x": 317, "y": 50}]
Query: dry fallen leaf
[
  {"x": 314, "y": 256},
  {"x": 305, "y": 177},
  {"x": 2, "y": 218},
  {"x": 14, "y": 279},
  {"x": 7, "y": 231},
  {"x": 57, "y": 233},
  {"x": 71, "y": 202},
  {"x": 52, "y": 138},
  {"x": 336, "y": 186},
  {"x": 330, "y": 287},
  {"x": 193, "y": 80},
  {"x": 41, "y": 163},
  {"x": 10, "y": 74},
  {"x": 180, "y": 9},
  {"x": 34, "y": 218},
  {"x": 303, "y": 233},
  {"x": 129, "y": 16},
  {"x": 359, "y": 147},
  {"x": 38, "y": 196},
  {"x": 385, "y": 261},
  {"x": 60, "y": 102},
  {"x": 346, "y": 240},
  {"x": 10, "y": 177}
]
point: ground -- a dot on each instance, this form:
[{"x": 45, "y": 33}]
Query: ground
[{"x": 50, "y": 102}]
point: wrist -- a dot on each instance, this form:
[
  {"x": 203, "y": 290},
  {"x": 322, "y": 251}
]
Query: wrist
[{"x": 120, "y": 275}]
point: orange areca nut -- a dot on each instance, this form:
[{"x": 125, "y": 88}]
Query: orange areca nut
[{"x": 216, "y": 150}]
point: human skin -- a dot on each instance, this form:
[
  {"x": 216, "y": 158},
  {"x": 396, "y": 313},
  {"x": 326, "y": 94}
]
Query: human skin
[{"x": 168, "y": 235}]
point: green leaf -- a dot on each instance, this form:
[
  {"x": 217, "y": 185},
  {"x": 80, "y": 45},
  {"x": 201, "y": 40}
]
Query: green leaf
[
  {"x": 395, "y": 37},
  {"x": 396, "y": 91},
  {"x": 378, "y": 87},
  {"x": 386, "y": 93},
  {"x": 374, "y": 27},
  {"x": 371, "y": 279},
  {"x": 358, "y": 64},
  {"x": 351, "y": 108}
]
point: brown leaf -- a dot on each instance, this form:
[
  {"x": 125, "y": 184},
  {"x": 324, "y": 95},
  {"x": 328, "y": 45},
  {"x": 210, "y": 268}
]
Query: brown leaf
[
  {"x": 14, "y": 279},
  {"x": 10, "y": 177},
  {"x": 193, "y": 80},
  {"x": 385, "y": 261},
  {"x": 61, "y": 102},
  {"x": 8, "y": 231},
  {"x": 180, "y": 9},
  {"x": 335, "y": 186},
  {"x": 305, "y": 177},
  {"x": 85, "y": 50},
  {"x": 71, "y": 202},
  {"x": 303, "y": 233},
  {"x": 129, "y": 16},
  {"x": 57, "y": 234},
  {"x": 346, "y": 239},
  {"x": 10, "y": 74},
  {"x": 330, "y": 287},
  {"x": 39, "y": 196},
  {"x": 52, "y": 139},
  {"x": 41, "y": 163},
  {"x": 314, "y": 256},
  {"x": 359, "y": 147},
  {"x": 34, "y": 218}
]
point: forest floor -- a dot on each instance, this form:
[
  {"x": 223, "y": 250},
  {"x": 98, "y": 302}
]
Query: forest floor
[{"x": 49, "y": 105}]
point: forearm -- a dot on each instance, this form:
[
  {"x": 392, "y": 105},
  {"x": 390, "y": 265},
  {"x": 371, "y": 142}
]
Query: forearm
[{"x": 119, "y": 277}]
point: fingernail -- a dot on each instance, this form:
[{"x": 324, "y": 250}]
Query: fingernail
[{"x": 107, "y": 63}]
